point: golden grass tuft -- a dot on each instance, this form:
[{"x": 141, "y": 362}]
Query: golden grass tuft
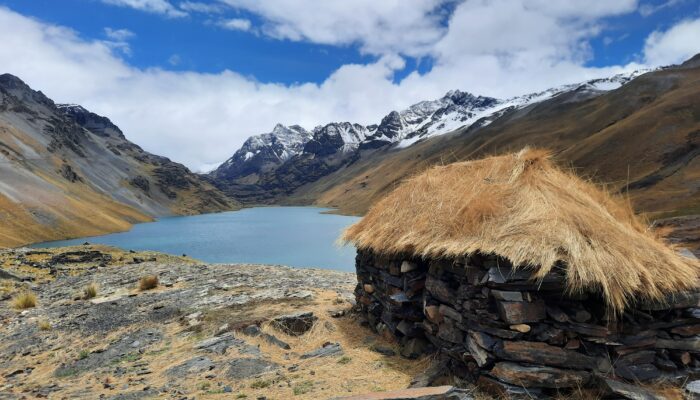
[
  {"x": 90, "y": 291},
  {"x": 24, "y": 300},
  {"x": 521, "y": 206},
  {"x": 148, "y": 282},
  {"x": 44, "y": 325}
]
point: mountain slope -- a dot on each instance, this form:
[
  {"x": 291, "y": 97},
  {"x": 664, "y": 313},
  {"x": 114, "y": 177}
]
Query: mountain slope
[
  {"x": 643, "y": 136},
  {"x": 68, "y": 172},
  {"x": 271, "y": 167}
]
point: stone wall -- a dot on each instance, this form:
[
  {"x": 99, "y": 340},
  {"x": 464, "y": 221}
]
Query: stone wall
[{"x": 504, "y": 332}]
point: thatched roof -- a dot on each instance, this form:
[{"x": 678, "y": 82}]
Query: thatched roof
[{"x": 521, "y": 206}]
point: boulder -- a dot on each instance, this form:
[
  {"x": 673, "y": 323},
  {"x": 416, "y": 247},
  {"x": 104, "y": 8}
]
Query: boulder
[{"x": 295, "y": 324}]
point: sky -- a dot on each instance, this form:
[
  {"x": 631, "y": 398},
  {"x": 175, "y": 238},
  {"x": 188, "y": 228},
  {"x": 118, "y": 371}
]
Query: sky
[{"x": 191, "y": 80}]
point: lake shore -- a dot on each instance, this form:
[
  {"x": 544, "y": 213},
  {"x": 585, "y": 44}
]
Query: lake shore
[{"x": 191, "y": 335}]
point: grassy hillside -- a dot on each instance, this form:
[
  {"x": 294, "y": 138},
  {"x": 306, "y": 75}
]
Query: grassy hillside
[{"x": 644, "y": 136}]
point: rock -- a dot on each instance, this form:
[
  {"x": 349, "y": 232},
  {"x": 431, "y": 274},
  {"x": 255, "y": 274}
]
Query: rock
[
  {"x": 242, "y": 368},
  {"x": 252, "y": 330},
  {"x": 507, "y": 296},
  {"x": 481, "y": 356},
  {"x": 408, "y": 266},
  {"x": 450, "y": 312},
  {"x": 688, "y": 330},
  {"x": 680, "y": 344},
  {"x": 217, "y": 344},
  {"x": 423, "y": 393},
  {"x": 5, "y": 274},
  {"x": 533, "y": 376},
  {"x": 369, "y": 289},
  {"x": 383, "y": 350},
  {"x": 328, "y": 349},
  {"x": 192, "y": 366},
  {"x": 295, "y": 324},
  {"x": 414, "y": 348},
  {"x": 582, "y": 316},
  {"x": 450, "y": 332},
  {"x": 542, "y": 353},
  {"x": 522, "y": 328},
  {"x": 433, "y": 314},
  {"x": 693, "y": 388},
  {"x": 521, "y": 312},
  {"x": 637, "y": 372},
  {"x": 272, "y": 339},
  {"x": 627, "y": 391},
  {"x": 502, "y": 390}
]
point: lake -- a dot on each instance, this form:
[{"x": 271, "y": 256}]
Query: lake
[{"x": 295, "y": 236}]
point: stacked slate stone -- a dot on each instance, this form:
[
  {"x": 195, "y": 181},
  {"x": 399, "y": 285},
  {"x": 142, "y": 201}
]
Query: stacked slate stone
[{"x": 506, "y": 332}]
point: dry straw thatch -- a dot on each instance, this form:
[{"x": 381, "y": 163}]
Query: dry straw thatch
[{"x": 522, "y": 207}]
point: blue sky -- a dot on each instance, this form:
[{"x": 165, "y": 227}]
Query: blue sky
[{"x": 222, "y": 70}]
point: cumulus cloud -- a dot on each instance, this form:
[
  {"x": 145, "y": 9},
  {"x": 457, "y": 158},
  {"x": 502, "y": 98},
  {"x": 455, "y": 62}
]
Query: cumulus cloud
[
  {"x": 674, "y": 45},
  {"x": 236, "y": 24},
  {"x": 119, "y": 34},
  {"x": 153, "y": 6},
  {"x": 499, "y": 48},
  {"x": 379, "y": 27}
]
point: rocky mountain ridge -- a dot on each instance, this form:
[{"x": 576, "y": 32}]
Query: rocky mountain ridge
[
  {"x": 275, "y": 164},
  {"x": 69, "y": 172}
]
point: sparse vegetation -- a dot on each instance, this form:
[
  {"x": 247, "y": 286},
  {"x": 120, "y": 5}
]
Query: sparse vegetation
[
  {"x": 44, "y": 325},
  {"x": 90, "y": 291},
  {"x": 24, "y": 300},
  {"x": 241, "y": 396},
  {"x": 204, "y": 386},
  {"x": 303, "y": 387},
  {"x": 261, "y": 384},
  {"x": 344, "y": 360},
  {"x": 83, "y": 354},
  {"x": 148, "y": 282}
]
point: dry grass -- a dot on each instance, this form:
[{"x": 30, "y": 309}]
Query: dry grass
[
  {"x": 90, "y": 291},
  {"x": 44, "y": 325},
  {"x": 148, "y": 282},
  {"x": 24, "y": 300},
  {"x": 523, "y": 207}
]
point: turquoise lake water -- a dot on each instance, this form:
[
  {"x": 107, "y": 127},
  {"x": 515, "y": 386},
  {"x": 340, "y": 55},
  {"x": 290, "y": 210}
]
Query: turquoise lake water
[{"x": 295, "y": 236}]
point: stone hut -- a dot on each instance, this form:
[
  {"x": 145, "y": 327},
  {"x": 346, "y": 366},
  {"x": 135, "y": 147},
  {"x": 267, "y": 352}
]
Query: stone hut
[{"x": 527, "y": 278}]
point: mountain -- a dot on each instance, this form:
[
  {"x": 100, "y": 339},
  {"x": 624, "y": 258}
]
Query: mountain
[
  {"x": 68, "y": 172},
  {"x": 272, "y": 166},
  {"x": 641, "y": 140}
]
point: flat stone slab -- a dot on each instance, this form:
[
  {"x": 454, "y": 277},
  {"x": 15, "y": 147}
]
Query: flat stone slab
[
  {"x": 192, "y": 366},
  {"x": 627, "y": 391},
  {"x": 426, "y": 393},
  {"x": 328, "y": 349},
  {"x": 546, "y": 377},
  {"x": 114, "y": 353},
  {"x": 242, "y": 368}
]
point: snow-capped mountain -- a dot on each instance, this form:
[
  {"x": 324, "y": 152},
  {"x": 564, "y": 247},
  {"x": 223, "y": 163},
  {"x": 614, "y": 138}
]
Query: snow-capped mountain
[
  {"x": 303, "y": 154},
  {"x": 263, "y": 152}
]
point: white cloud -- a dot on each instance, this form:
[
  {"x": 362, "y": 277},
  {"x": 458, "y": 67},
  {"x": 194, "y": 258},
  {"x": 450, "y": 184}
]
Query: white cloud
[
  {"x": 118, "y": 39},
  {"x": 499, "y": 48},
  {"x": 236, "y": 24},
  {"x": 204, "y": 8},
  {"x": 674, "y": 45},
  {"x": 379, "y": 27},
  {"x": 648, "y": 9},
  {"x": 153, "y": 6},
  {"x": 119, "y": 34}
]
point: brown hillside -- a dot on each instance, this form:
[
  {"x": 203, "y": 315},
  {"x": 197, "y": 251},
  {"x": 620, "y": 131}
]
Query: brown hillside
[{"x": 645, "y": 136}]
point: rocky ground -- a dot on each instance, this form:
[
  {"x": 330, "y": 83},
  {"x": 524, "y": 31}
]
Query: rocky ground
[{"x": 206, "y": 331}]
